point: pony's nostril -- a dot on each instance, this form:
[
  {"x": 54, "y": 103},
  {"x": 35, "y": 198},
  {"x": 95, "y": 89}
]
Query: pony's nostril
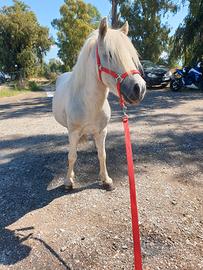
[
  {"x": 136, "y": 87},
  {"x": 139, "y": 91},
  {"x": 136, "y": 91}
]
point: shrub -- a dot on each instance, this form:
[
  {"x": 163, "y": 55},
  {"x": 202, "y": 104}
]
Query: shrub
[
  {"x": 33, "y": 86},
  {"x": 52, "y": 76}
]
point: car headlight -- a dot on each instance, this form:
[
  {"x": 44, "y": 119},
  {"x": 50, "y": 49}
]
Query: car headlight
[
  {"x": 151, "y": 75},
  {"x": 168, "y": 74}
]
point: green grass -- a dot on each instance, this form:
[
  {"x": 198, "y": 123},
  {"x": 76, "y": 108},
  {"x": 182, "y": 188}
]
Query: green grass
[
  {"x": 6, "y": 91},
  {"x": 13, "y": 88}
]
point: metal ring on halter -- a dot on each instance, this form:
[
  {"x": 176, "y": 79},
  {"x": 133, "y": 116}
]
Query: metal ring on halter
[
  {"x": 119, "y": 78},
  {"x": 124, "y": 110}
]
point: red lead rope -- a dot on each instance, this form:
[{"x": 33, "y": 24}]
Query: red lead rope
[
  {"x": 133, "y": 201},
  {"x": 134, "y": 212}
]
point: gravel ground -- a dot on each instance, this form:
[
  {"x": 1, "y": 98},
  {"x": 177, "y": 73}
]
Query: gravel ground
[{"x": 42, "y": 226}]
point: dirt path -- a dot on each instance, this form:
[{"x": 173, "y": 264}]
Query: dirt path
[{"x": 44, "y": 227}]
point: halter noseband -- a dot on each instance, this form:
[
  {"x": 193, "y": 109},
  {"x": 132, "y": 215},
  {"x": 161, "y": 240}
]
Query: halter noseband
[{"x": 118, "y": 77}]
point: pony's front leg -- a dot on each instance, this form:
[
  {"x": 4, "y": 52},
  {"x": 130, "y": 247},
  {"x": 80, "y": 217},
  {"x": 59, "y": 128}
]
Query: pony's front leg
[
  {"x": 100, "y": 144},
  {"x": 72, "y": 156}
]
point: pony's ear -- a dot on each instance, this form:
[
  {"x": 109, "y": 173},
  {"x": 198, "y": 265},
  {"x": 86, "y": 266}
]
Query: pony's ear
[
  {"x": 125, "y": 28},
  {"x": 103, "y": 28}
]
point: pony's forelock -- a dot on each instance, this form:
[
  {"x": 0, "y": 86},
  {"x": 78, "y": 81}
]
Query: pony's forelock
[{"x": 121, "y": 49}]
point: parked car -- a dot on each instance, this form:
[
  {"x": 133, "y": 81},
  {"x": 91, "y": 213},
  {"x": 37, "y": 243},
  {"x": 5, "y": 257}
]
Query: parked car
[
  {"x": 156, "y": 75},
  {"x": 4, "y": 77}
]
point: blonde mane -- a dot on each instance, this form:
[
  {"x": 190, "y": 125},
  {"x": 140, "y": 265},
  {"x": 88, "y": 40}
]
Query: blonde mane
[{"x": 80, "y": 69}]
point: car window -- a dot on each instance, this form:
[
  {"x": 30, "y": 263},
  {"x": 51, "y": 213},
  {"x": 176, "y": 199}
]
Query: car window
[{"x": 148, "y": 64}]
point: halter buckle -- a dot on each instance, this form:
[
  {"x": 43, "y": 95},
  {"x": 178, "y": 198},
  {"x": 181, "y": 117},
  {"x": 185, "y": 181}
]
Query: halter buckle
[{"x": 119, "y": 78}]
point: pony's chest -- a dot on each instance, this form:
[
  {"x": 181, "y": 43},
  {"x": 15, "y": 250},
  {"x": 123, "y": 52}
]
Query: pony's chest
[
  {"x": 95, "y": 125},
  {"x": 88, "y": 120}
]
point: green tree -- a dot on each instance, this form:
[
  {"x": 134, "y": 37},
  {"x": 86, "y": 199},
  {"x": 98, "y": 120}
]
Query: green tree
[
  {"x": 115, "y": 12},
  {"x": 149, "y": 35},
  {"x": 77, "y": 21},
  {"x": 55, "y": 65},
  {"x": 23, "y": 42},
  {"x": 188, "y": 38}
]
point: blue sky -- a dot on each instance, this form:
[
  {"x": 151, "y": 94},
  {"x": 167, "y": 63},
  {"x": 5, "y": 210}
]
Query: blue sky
[{"x": 47, "y": 10}]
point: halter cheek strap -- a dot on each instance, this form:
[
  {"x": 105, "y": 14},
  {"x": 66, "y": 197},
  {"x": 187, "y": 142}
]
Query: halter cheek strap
[{"x": 118, "y": 77}]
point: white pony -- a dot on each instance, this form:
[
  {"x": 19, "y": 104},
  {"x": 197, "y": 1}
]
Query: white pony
[{"x": 80, "y": 102}]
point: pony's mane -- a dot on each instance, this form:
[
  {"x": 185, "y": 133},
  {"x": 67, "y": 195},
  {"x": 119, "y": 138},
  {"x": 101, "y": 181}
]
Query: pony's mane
[
  {"x": 118, "y": 44},
  {"x": 80, "y": 68}
]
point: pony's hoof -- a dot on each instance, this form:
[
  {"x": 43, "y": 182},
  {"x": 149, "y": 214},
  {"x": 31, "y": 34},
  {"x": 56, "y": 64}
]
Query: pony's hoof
[
  {"x": 108, "y": 187},
  {"x": 68, "y": 187},
  {"x": 69, "y": 183}
]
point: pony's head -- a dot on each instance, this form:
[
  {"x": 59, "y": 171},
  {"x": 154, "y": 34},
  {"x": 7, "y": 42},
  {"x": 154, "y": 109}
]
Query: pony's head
[{"x": 117, "y": 54}]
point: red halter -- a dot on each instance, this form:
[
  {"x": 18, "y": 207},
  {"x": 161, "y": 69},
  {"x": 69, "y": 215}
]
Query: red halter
[{"x": 119, "y": 77}]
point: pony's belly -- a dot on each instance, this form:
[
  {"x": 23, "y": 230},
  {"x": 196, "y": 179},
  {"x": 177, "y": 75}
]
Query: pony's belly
[{"x": 59, "y": 112}]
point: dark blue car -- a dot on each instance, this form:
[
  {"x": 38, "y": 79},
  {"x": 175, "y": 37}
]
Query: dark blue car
[{"x": 156, "y": 75}]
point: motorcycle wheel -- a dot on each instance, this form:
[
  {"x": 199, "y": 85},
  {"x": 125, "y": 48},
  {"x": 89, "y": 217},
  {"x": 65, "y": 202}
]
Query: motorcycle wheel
[
  {"x": 200, "y": 86},
  {"x": 175, "y": 85}
]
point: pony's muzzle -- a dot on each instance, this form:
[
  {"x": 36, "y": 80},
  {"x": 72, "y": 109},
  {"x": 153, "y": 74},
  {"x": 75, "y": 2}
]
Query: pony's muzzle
[{"x": 132, "y": 90}]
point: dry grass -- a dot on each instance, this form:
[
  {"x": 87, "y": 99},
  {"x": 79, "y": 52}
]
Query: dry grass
[{"x": 7, "y": 91}]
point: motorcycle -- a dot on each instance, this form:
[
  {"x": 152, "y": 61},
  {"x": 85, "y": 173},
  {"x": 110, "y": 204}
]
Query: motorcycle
[{"x": 187, "y": 78}]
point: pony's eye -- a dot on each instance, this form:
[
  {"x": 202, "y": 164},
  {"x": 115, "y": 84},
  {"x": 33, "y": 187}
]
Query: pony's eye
[{"x": 110, "y": 55}]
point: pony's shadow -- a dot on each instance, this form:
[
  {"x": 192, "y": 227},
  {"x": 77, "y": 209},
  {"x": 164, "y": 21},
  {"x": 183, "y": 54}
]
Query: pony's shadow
[
  {"x": 12, "y": 248},
  {"x": 32, "y": 175},
  {"x": 15, "y": 250}
]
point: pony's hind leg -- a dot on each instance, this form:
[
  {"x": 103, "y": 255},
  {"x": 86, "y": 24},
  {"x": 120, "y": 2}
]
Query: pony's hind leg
[
  {"x": 100, "y": 144},
  {"x": 72, "y": 156}
]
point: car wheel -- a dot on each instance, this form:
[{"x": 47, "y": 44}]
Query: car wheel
[
  {"x": 149, "y": 86},
  {"x": 164, "y": 85}
]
